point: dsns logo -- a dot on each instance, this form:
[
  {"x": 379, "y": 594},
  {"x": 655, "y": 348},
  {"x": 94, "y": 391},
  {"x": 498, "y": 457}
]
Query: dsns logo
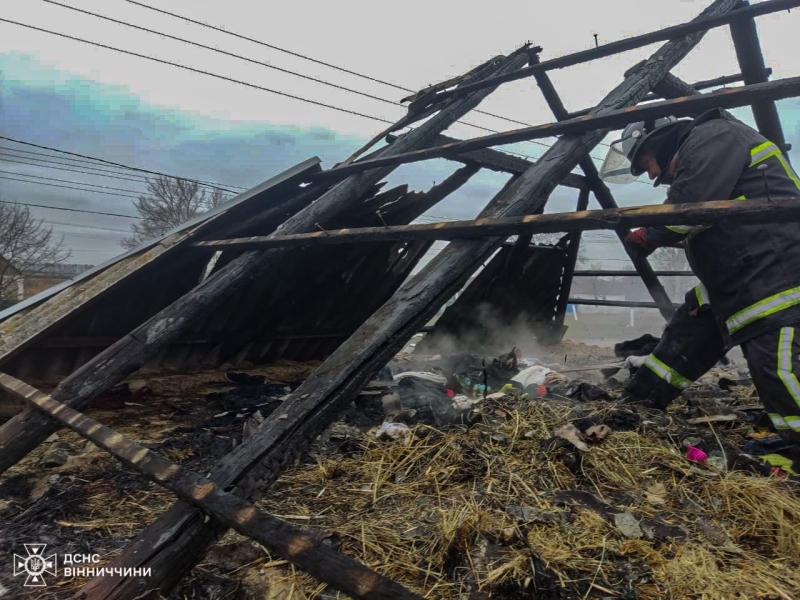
[{"x": 35, "y": 565}]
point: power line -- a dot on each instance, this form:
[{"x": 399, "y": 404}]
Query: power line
[
  {"x": 49, "y": 222},
  {"x": 224, "y": 78},
  {"x": 308, "y": 58},
  {"x": 304, "y": 57},
  {"x": 68, "y": 162},
  {"x": 108, "y": 162},
  {"x": 105, "y": 187},
  {"x": 314, "y": 79},
  {"x": 220, "y": 51},
  {"x": 87, "y": 235},
  {"x": 61, "y": 168},
  {"x": 194, "y": 70},
  {"x": 69, "y": 187},
  {"x": 78, "y": 210}
]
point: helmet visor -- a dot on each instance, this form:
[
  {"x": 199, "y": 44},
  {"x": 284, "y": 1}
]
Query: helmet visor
[{"x": 616, "y": 166}]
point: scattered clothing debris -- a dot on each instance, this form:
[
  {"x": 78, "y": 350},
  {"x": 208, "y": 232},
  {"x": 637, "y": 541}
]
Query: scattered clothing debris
[
  {"x": 587, "y": 392},
  {"x": 431, "y": 377}
]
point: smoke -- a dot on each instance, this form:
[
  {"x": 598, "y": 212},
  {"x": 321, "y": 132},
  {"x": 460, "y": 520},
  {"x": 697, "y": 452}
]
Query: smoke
[{"x": 487, "y": 332}]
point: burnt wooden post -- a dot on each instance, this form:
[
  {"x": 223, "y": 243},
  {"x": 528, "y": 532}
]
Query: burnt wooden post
[
  {"x": 181, "y": 535},
  {"x": 574, "y": 241},
  {"x": 606, "y": 199},
  {"x": 751, "y": 61},
  {"x": 27, "y": 430}
]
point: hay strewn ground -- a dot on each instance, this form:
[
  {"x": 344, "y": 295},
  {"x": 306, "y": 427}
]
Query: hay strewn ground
[
  {"x": 495, "y": 510},
  {"x": 467, "y": 511}
]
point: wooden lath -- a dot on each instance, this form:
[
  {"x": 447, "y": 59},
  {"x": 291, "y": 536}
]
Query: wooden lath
[{"x": 757, "y": 210}]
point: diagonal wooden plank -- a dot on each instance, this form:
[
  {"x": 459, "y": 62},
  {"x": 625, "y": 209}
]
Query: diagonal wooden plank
[{"x": 287, "y": 541}]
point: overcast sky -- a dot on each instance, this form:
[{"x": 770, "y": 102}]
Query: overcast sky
[{"x": 99, "y": 102}]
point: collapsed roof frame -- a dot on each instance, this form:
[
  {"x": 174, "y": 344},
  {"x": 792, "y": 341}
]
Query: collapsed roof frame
[{"x": 173, "y": 544}]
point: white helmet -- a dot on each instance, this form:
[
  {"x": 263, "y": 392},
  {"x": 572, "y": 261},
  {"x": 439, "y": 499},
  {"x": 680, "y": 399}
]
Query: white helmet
[{"x": 618, "y": 166}]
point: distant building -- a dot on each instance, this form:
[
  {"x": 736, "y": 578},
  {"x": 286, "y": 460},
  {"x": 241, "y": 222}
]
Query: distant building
[
  {"x": 12, "y": 290},
  {"x": 50, "y": 275},
  {"x": 21, "y": 286}
]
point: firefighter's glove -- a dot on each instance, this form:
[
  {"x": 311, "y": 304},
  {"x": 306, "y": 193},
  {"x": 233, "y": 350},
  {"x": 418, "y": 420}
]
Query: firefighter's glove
[{"x": 636, "y": 243}]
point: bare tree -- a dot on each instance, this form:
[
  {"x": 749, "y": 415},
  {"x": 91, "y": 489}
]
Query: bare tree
[
  {"x": 27, "y": 247},
  {"x": 170, "y": 202}
]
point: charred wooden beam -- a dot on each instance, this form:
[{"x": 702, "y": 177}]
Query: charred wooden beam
[
  {"x": 672, "y": 87},
  {"x": 751, "y": 61},
  {"x": 705, "y": 84},
  {"x": 698, "y": 86},
  {"x": 606, "y": 199},
  {"x": 611, "y": 119},
  {"x": 618, "y": 303},
  {"x": 612, "y": 273},
  {"x": 502, "y": 162},
  {"x": 178, "y": 539},
  {"x": 291, "y": 543},
  {"x": 574, "y": 242},
  {"x": 670, "y": 33},
  {"x": 700, "y": 213},
  {"x": 724, "y": 80}
]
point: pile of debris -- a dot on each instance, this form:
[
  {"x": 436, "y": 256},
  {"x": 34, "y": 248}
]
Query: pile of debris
[
  {"x": 555, "y": 497},
  {"x": 458, "y": 476}
]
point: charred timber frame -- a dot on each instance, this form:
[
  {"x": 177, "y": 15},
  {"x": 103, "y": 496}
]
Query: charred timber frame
[
  {"x": 26, "y": 431},
  {"x": 679, "y": 107},
  {"x": 606, "y": 199},
  {"x": 502, "y": 162},
  {"x": 617, "y": 303},
  {"x": 695, "y": 213},
  {"x": 675, "y": 32},
  {"x": 612, "y": 273},
  {"x": 291, "y": 543},
  {"x": 254, "y": 465},
  {"x": 574, "y": 240},
  {"x": 751, "y": 62},
  {"x": 697, "y": 86}
]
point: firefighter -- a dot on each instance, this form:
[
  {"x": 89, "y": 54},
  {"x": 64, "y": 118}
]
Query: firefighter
[
  {"x": 751, "y": 271},
  {"x": 690, "y": 345}
]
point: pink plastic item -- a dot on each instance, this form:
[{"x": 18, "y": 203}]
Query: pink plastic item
[
  {"x": 696, "y": 455},
  {"x": 450, "y": 392}
]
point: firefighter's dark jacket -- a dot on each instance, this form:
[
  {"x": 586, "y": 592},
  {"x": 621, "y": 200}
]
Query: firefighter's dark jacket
[{"x": 751, "y": 271}]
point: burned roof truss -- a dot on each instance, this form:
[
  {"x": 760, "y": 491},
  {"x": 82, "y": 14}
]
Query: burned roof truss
[{"x": 205, "y": 314}]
